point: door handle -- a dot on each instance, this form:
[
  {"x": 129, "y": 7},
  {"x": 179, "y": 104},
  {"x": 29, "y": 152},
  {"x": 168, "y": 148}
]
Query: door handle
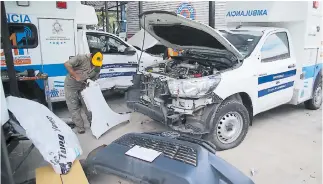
[{"x": 291, "y": 66}]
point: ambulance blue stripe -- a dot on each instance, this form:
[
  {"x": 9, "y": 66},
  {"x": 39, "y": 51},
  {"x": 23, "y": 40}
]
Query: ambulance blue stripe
[
  {"x": 55, "y": 70},
  {"x": 277, "y": 76},
  {"x": 119, "y": 65},
  {"x": 267, "y": 91},
  {"x": 59, "y": 82},
  {"x": 116, "y": 74},
  {"x": 311, "y": 71}
]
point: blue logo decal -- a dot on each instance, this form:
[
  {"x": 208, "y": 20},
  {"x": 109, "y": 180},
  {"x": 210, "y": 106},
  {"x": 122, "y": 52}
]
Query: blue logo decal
[
  {"x": 248, "y": 13},
  {"x": 18, "y": 18},
  {"x": 54, "y": 93},
  {"x": 187, "y": 10}
]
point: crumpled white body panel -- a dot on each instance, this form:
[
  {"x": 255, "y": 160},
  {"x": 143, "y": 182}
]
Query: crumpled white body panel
[
  {"x": 103, "y": 117},
  {"x": 54, "y": 139}
]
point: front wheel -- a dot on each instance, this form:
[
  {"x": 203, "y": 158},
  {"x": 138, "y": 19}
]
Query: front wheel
[
  {"x": 229, "y": 126},
  {"x": 316, "y": 102}
]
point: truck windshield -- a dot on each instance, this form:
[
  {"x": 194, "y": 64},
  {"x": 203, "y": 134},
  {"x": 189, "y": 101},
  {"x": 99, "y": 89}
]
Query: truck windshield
[{"x": 244, "y": 40}]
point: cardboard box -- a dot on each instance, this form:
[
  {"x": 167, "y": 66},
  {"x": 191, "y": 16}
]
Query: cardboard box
[{"x": 47, "y": 175}]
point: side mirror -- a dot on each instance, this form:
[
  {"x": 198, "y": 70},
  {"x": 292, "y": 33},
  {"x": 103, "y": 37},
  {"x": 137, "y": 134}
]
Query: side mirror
[{"x": 130, "y": 51}]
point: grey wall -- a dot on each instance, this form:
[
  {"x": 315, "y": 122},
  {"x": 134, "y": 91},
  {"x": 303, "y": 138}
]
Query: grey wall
[{"x": 201, "y": 9}]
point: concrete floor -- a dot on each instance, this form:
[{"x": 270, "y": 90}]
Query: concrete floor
[{"x": 284, "y": 145}]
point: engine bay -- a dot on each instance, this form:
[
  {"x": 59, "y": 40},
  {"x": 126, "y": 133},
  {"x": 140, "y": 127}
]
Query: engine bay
[
  {"x": 182, "y": 69},
  {"x": 194, "y": 64}
]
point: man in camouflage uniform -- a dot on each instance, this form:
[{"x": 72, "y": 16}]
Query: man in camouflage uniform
[{"x": 80, "y": 68}]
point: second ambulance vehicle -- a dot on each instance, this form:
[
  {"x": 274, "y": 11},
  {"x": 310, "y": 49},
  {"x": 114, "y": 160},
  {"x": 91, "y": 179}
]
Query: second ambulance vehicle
[{"x": 44, "y": 35}]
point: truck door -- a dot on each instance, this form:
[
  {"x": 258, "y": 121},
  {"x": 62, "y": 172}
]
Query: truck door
[
  {"x": 118, "y": 66},
  {"x": 276, "y": 72},
  {"x": 57, "y": 41}
]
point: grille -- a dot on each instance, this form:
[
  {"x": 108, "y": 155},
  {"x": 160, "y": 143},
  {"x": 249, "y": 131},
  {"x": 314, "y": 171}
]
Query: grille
[
  {"x": 174, "y": 151},
  {"x": 155, "y": 90}
]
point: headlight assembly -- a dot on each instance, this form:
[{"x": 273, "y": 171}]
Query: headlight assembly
[{"x": 193, "y": 88}]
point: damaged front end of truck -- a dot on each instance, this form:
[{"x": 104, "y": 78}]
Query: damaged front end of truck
[{"x": 180, "y": 92}]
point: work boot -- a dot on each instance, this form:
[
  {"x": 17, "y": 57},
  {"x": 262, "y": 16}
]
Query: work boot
[{"x": 80, "y": 130}]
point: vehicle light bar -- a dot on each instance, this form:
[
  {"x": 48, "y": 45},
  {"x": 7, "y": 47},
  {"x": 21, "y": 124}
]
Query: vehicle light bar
[{"x": 61, "y": 4}]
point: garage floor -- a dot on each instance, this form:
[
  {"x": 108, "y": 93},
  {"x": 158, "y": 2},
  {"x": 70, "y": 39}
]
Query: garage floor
[{"x": 284, "y": 146}]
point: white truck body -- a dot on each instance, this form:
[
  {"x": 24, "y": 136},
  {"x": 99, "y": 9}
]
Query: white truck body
[
  {"x": 267, "y": 55},
  {"x": 275, "y": 83},
  {"x": 55, "y": 34}
]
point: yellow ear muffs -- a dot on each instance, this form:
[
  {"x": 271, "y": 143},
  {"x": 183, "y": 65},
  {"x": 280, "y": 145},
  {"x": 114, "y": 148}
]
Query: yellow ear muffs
[{"x": 97, "y": 59}]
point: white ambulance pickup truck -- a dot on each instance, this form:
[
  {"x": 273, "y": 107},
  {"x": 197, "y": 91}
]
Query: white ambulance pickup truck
[
  {"x": 46, "y": 34},
  {"x": 268, "y": 55}
]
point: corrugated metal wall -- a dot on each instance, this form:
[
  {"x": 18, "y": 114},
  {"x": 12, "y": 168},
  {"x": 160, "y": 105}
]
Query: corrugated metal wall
[
  {"x": 132, "y": 18},
  {"x": 220, "y": 13},
  {"x": 201, "y": 9}
]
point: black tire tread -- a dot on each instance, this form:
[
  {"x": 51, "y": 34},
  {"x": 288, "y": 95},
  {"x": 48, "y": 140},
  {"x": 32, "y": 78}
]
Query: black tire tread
[
  {"x": 309, "y": 104},
  {"x": 213, "y": 125}
]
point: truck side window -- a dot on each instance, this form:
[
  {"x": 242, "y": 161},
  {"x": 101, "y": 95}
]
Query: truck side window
[
  {"x": 106, "y": 43},
  {"x": 94, "y": 42},
  {"x": 276, "y": 47},
  {"x": 116, "y": 46},
  {"x": 22, "y": 35}
]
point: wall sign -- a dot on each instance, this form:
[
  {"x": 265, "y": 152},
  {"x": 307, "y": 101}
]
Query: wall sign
[{"x": 187, "y": 10}]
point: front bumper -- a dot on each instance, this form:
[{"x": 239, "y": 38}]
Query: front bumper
[
  {"x": 181, "y": 162},
  {"x": 181, "y": 114}
]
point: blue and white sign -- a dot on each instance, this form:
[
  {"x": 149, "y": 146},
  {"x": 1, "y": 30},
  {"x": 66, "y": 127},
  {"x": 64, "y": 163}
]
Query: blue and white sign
[
  {"x": 247, "y": 13},
  {"x": 17, "y": 18},
  {"x": 187, "y": 10},
  {"x": 58, "y": 84}
]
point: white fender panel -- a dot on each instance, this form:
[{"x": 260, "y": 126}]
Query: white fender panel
[
  {"x": 103, "y": 117},
  {"x": 237, "y": 81}
]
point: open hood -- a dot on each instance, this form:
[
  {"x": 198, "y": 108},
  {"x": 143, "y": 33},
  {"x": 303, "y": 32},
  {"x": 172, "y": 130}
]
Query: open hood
[
  {"x": 137, "y": 40},
  {"x": 177, "y": 32}
]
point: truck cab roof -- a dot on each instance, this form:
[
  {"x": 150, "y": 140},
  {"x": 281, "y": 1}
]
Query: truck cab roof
[
  {"x": 252, "y": 28},
  {"x": 106, "y": 33}
]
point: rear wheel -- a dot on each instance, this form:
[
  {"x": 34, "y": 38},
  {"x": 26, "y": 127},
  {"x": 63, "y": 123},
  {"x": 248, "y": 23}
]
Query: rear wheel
[
  {"x": 229, "y": 126},
  {"x": 316, "y": 101}
]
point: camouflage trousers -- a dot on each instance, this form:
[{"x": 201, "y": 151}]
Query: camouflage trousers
[{"x": 75, "y": 105}]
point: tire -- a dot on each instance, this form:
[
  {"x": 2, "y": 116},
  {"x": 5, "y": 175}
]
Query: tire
[
  {"x": 231, "y": 116},
  {"x": 316, "y": 102}
]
